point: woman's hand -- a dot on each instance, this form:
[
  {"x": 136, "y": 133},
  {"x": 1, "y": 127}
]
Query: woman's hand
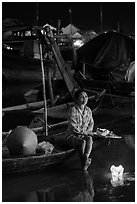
[{"x": 90, "y": 133}]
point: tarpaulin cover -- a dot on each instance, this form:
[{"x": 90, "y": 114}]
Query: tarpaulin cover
[{"x": 109, "y": 51}]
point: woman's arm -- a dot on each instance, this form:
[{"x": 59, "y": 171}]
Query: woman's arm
[
  {"x": 90, "y": 127},
  {"x": 73, "y": 122}
]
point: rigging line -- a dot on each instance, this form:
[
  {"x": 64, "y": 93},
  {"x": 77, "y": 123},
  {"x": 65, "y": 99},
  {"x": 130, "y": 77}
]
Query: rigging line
[
  {"x": 113, "y": 103},
  {"x": 94, "y": 110},
  {"x": 101, "y": 100}
]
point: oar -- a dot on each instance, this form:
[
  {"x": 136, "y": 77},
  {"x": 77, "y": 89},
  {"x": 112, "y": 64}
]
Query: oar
[{"x": 44, "y": 89}]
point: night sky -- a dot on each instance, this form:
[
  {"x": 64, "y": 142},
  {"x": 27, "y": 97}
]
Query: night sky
[{"x": 85, "y": 14}]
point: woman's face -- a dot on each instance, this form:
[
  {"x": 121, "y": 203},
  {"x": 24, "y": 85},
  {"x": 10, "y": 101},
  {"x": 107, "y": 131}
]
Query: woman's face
[{"x": 83, "y": 98}]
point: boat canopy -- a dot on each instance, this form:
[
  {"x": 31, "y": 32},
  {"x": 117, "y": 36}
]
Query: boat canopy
[{"x": 108, "y": 52}]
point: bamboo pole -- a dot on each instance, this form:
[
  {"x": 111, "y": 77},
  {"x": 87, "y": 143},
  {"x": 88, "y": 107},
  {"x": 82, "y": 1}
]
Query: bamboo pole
[
  {"x": 50, "y": 88},
  {"x": 44, "y": 89},
  {"x": 84, "y": 68},
  {"x": 101, "y": 18}
]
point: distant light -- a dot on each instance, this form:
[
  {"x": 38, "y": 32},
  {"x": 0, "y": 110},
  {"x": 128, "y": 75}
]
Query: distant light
[
  {"x": 78, "y": 43},
  {"x": 8, "y": 47},
  {"x": 27, "y": 33},
  {"x": 117, "y": 175}
]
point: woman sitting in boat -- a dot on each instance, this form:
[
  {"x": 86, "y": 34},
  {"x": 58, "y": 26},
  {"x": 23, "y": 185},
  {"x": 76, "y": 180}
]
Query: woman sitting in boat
[{"x": 80, "y": 128}]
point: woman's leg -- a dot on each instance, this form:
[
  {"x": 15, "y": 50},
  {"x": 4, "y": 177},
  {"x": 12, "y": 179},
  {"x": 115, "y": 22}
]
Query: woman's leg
[
  {"x": 88, "y": 147},
  {"x": 81, "y": 150},
  {"x": 80, "y": 144}
]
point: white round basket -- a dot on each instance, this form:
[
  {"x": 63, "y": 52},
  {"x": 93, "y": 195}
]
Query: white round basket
[{"x": 102, "y": 132}]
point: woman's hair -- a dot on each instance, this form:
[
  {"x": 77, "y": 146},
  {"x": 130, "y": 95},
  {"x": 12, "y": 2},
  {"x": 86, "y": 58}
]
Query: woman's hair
[{"x": 77, "y": 94}]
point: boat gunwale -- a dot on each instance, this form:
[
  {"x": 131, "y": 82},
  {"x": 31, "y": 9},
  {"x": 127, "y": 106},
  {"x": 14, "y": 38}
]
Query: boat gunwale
[{"x": 37, "y": 156}]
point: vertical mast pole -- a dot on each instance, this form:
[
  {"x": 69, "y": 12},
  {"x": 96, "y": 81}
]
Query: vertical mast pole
[
  {"x": 70, "y": 18},
  {"x": 44, "y": 90},
  {"x": 101, "y": 18},
  {"x": 37, "y": 14}
]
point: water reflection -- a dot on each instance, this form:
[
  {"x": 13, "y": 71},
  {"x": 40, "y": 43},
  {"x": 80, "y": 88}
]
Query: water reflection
[
  {"x": 77, "y": 189},
  {"x": 116, "y": 191},
  {"x": 130, "y": 141},
  {"x": 117, "y": 182},
  {"x": 29, "y": 197},
  {"x": 80, "y": 191}
]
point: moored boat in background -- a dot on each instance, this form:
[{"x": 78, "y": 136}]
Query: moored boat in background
[{"x": 104, "y": 61}]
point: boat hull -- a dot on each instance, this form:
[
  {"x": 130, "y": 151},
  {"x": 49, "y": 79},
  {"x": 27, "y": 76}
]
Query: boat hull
[
  {"x": 33, "y": 163},
  {"x": 38, "y": 162}
]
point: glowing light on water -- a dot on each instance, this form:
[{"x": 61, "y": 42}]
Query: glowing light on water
[
  {"x": 117, "y": 171},
  {"x": 117, "y": 175}
]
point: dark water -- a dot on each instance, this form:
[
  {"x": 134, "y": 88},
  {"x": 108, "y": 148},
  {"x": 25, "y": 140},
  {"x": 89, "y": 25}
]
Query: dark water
[{"x": 68, "y": 183}]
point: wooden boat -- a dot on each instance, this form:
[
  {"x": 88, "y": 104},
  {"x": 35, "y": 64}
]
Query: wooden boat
[
  {"x": 38, "y": 105},
  {"x": 38, "y": 162},
  {"x": 23, "y": 107},
  {"x": 34, "y": 163}
]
